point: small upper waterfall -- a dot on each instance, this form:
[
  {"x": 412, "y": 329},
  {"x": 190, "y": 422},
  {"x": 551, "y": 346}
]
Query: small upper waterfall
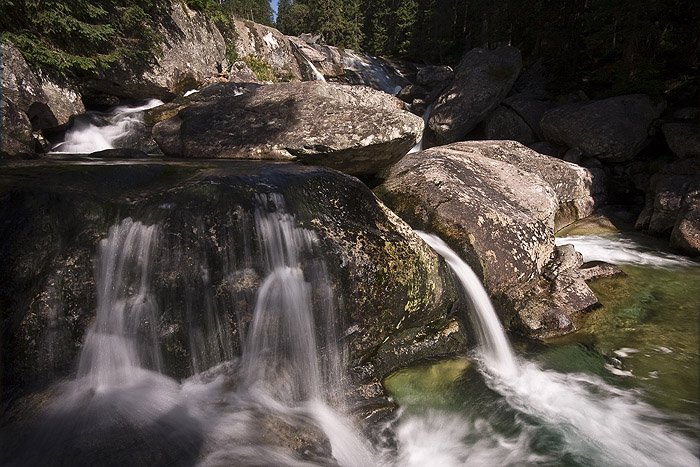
[
  {"x": 419, "y": 145},
  {"x": 494, "y": 346},
  {"x": 97, "y": 131}
]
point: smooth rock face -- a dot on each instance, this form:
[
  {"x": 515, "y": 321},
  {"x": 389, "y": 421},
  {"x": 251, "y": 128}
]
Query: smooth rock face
[
  {"x": 388, "y": 284},
  {"x": 482, "y": 80},
  {"x": 613, "y": 129},
  {"x": 496, "y": 203},
  {"x": 192, "y": 51},
  {"x": 683, "y": 138},
  {"x": 354, "y": 129},
  {"x": 672, "y": 204},
  {"x": 47, "y": 103},
  {"x": 435, "y": 76}
]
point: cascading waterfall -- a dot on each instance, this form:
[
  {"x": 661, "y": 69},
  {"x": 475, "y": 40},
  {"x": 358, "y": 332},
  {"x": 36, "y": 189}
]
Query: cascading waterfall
[
  {"x": 619, "y": 250},
  {"x": 419, "y": 145},
  {"x": 96, "y": 131},
  {"x": 282, "y": 362},
  {"x": 121, "y": 410},
  {"x": 363, "y": 69},
  {"x": 597, "y": 424},
  {"x": 123, "y": 339}
]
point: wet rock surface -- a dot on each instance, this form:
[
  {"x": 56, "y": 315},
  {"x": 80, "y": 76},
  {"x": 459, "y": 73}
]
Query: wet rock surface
[{"x": 387, "y": 282}]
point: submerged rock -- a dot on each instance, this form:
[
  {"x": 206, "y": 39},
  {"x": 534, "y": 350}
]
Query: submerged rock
[
  {"x": 482, "y": 80},
  {"x": 613, "y": 129},
  {"x": 498, "y": 205},
  {"x": 354, "y": 129}
]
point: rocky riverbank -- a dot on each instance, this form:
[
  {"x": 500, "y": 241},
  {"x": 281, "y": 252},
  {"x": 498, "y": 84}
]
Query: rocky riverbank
[{"x": 508, "y": 165}]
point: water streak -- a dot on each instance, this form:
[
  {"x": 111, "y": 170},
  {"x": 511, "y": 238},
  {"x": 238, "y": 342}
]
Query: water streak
[
  {"x": 619, "y": 250},
  {"x": 494, "y": 346},
  {"x": 597, "y": 423},
  {"x": 99, "y": 131}
]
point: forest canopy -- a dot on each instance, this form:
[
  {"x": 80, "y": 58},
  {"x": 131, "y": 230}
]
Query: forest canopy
[{"x": 605, "y": 46}]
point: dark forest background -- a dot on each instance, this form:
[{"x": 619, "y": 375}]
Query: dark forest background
[{"x": 606, "y": 47}]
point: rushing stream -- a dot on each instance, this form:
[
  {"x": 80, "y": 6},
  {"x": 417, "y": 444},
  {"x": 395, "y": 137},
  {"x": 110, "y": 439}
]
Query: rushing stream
[
  {"x": 263, "y": 380},
  {"x": 514, "y": 411}
]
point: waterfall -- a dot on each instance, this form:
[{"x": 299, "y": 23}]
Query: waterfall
[
  {"x": 363, "y": 69},
  {"x": 419, "y": 145},
  {"x": 494, "y": 347},
  {"x": 315, "y": 75},
  {"x": 597, "y": 423},
  {"x": 619, "y": 250},
  {"x": 283, "y": 361},
  {"x": 123, "y": 338},
  {"x": 280, "y": 352},
  {"x": 98, "y": 131}
]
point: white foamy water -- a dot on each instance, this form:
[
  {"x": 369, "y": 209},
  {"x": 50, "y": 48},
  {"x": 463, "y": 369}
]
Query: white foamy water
[
  {"x": 619, "y": 250},
  {"x": 120, "y": 410},
  {"x": 596, "y": 423},
  {"x": 85, "y": 136},
  {"x": 419, "y": 145}
]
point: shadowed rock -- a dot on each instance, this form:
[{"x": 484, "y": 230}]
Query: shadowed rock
[{"x": 482, "y": 80}]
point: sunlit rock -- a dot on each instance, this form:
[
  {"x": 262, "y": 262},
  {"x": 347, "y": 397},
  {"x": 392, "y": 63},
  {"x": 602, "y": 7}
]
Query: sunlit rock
[{"x": 354, "y": 129}]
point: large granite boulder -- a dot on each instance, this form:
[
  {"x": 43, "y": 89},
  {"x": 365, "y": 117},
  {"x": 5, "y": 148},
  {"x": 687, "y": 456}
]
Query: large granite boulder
[
  {"x": 209, "y": 262},
  {"x": 683, "y": 138},
  {"x": 354, "y": 129},
  {"x": 672, "y": 205},
  {"x": 192, "y": 50},
  {"x": 497, "y": 204},
  {"x": 482, "y": 80},
  {"x": 48, "y": 103},
  {"x": 505, "y": 124},
  {"x": 612, "y": 130}
]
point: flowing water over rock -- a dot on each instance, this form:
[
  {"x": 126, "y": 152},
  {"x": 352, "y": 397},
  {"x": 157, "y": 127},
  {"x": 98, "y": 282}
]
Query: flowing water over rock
[
  {"x": 98, "y": 131},
  {"x": 218, "y": 335},
  {"x": 270, "y": 407},
  {"x": 526, "y": 415}
]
